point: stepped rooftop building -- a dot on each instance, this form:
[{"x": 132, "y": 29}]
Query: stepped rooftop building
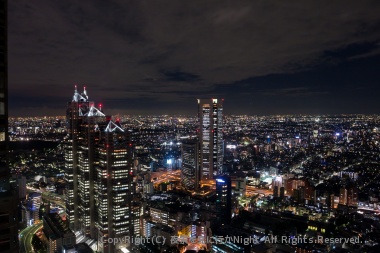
[{"x": 98, "y": 173}]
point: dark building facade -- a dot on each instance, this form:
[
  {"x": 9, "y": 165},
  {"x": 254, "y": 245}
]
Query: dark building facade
[
  {"x": 8, "y": 195},
  {"x": 190, "y": 165},
  {"x": 58, "y": 233},
  {"x": 223, "y": 200},
  {"x": 4, "y": 171}
]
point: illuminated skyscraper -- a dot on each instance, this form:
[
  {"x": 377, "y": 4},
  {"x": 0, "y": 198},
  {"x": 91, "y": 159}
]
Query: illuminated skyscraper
[
  {"x": 88, "y": 137},
  {"x": 113, "y": 187},
  {"x": 210, "y": 119},
  {"x": 8, "y": 195},
  {"x": 98, "y": 165},
  {"x": 82, "y": 117}
]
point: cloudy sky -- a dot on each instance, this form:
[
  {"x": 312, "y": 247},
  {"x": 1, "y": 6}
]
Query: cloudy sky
[{"x": 157, "y": 57}]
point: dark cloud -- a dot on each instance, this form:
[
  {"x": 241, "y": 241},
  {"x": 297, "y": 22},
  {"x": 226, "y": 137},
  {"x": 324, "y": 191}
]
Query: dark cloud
[
  {"x": 179, "y": 76},
  {"x": 353, "y": 51},
  {"x": 158, "y": 54},
  {"x": 293, "y": 92}
]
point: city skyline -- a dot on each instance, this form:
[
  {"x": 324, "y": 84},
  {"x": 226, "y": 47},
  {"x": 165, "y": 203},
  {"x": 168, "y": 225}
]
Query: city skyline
[
  {"x": 262, "y": 58},
  {"x": 133, "y": 168}
]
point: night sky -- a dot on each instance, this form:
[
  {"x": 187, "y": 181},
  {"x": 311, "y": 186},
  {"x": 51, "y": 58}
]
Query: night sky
[{"x": 157, "y": 57}]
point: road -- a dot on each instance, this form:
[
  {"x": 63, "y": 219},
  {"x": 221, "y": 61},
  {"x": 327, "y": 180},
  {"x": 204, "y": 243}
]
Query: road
[
  {"x": 366, "y": 208},
  {"x": 55, "y": 199},
  {"x": 49, "y": 196},
  {"x": 168, "y": 176},
  {"x": 26, "y": 237},
  {"x": 253, "y": 191}
]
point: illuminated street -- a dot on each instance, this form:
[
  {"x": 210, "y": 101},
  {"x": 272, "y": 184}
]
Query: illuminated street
[
  {"x": 167, "y": 177},
  {"x": 26, "y": 237},
  {"x": 251, "y": 191},
  {"x": 54, "y": 199}
]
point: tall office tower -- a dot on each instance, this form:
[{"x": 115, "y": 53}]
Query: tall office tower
[
  {"x": 190, "y": 165},
  {"x": 8, "y": 195},
  {"x": 113, "y": 187},
  {"x": 76, "y": 113},
  {"x": 210, "y": 119},
  {"x": 223, "y": 200},
  {"x": 136, "y": 216},
  {"x": 98, "y": 166},
  {"x": 88, "y": 138}
]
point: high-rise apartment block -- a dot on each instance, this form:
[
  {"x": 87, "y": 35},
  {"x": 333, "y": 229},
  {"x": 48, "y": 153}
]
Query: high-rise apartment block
[{"x": 210, "y": 118}]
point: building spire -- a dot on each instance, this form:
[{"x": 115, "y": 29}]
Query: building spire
[
  {"x": 75, "y": 97},
  {"x": 80, "y": 97}
]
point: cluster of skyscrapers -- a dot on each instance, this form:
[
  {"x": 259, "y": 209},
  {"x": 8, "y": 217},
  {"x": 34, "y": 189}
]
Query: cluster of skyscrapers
[
  {"x": 312, "y": 172},
  {"x": 98, "y": 168}
]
